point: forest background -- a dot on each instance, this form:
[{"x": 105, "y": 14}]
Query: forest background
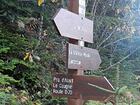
[{"x": 30, "y": 53}]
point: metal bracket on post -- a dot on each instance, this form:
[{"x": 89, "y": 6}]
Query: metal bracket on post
[{"x": 82, "y": 10}]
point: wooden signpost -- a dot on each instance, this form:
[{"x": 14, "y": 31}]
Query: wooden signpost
[
  {"x": 75, "y": 6},
  {"x": 74, "y": 85}
]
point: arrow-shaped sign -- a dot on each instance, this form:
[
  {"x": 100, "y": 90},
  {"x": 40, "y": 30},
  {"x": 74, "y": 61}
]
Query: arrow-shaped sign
[
  {"x": 87, "y": 87},
  {"x": 72, "y": 25},
  {"x": 93, "y": 87},
  {"x": 83, "y": 58}
]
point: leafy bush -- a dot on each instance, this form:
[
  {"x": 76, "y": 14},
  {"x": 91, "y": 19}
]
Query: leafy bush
[{"x": 9, "y": 96}]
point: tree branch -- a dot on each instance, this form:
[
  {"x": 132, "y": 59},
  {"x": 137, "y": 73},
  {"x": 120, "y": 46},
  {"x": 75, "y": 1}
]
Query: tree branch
[
  {"x": 106, "y": 38},
  {"x": 116, "y": 41},
  {"x": 114, "y": 1},
  {"x": 93, "y": 6},
  {"x": 121, "y": 59}
]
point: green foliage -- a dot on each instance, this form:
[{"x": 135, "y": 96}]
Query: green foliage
[
  {"x": 122, "y": 90},
  {"x": 6, "y": 80},
  {"x": 36, "y": 76},
  {"x": 4, "y": 98},
  {"x": 4, "y": 50},
  {"x": 11, "y": 10},
  {"x": 93, "y": 103},
  {"x": 9, "y": 96},
  {"x": 136, "y": 103},
  {"x": 13, "y": 69}
]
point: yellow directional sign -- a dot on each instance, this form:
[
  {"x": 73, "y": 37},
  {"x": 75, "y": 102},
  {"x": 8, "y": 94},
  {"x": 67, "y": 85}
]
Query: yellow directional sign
[{"x": 39, "y": 2}]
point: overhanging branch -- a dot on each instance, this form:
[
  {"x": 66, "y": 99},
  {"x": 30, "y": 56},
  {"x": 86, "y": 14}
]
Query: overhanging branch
[{"x": 121, "y": 59}]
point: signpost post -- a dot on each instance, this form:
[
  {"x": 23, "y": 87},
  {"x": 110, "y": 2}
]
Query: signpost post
[{"x": 76, "y": 6}]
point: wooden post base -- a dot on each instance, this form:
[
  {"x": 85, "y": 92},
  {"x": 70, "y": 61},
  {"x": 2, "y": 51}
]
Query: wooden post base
[{"x": 72, "y": 101}]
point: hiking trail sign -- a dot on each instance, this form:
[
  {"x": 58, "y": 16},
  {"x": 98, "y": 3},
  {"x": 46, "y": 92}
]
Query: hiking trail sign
[
  {"x": 76, "y": 86},
  {"x": 82, "y": 58},
  {"x": 72, "y": 25}
]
